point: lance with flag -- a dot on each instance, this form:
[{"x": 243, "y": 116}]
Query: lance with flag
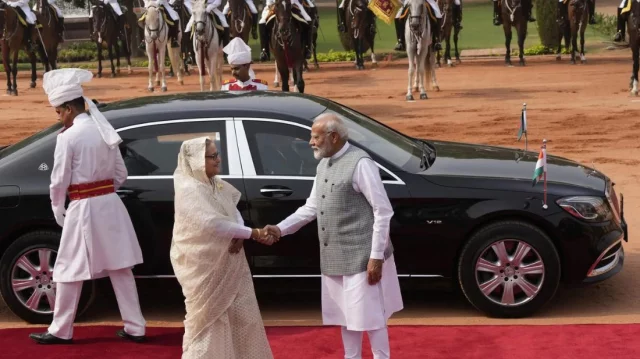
[
  {"x": 540, "y": 172},
  {"x": 523, "y": 125}
]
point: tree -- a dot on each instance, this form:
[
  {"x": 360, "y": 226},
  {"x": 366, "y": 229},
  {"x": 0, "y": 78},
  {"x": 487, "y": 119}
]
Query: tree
[{"x": 547, "y": 25}]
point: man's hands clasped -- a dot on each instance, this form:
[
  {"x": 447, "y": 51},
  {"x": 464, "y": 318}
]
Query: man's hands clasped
[{"x": 267, "y": 236}]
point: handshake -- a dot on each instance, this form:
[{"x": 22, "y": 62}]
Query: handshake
[{"x": 267, "y": 236}]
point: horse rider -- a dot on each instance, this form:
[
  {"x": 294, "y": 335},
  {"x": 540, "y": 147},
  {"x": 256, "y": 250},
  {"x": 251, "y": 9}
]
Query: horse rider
[
  {"x": 211, "y": 9},
  {"x": 186, "y": 3},
  {"x": 527, "y": 6},
  {"x": 29, "y": 17},
  {"x": 623, "y": 16},
  {"x": 435, "y": 27},
  {"x": 563, "y": 11},
  {"x": 254, "y": 15},
  {"x": 306, "y": 29},
  {"x": 174, "y": 29},
  {"x": 52, "y": 3},
  {"x": 239, "y": 57}
]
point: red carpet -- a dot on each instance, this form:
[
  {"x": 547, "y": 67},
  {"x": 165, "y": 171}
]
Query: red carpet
[{"x": 407, "y": 342}]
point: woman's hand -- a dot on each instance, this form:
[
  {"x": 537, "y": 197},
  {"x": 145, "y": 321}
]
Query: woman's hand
[{"x": 236, "y": 245}]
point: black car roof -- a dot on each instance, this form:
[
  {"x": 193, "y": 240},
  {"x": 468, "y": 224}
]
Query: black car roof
[{"x": 294, "y": 106}]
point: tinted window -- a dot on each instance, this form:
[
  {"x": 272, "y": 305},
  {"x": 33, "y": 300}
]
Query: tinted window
[
  {"x": 153, "y": 150},
  {"x": 279, "y": 149}
]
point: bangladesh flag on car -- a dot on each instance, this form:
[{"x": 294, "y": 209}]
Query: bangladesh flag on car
[{"x": 541, "y": 167}]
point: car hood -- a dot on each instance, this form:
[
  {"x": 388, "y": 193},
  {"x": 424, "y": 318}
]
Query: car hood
[{"x": 483, "y": 163}]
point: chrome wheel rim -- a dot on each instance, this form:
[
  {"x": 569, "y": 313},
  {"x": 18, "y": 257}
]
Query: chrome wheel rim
[
  {"x": 510, "y": 272},
  {"x": 32, "y": 280}
]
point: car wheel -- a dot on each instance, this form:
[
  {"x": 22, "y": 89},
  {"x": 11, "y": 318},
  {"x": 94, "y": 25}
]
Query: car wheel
[
  {"x": 26, "y": 273},
  {"x": 509, "y": 269}
]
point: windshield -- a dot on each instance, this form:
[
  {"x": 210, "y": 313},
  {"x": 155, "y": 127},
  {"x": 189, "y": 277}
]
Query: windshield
[
  {"x": 29, "y": 140},
  {"x": 392, "y": 146}
]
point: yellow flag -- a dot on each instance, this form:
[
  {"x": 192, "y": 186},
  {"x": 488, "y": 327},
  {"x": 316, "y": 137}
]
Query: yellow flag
[{"x": 385, "y": 9}]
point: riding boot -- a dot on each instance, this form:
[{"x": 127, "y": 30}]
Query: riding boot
[
  {"x": 226, "y": 36},
  {"x": 400, "y": 46},
  {"x": 341, "y": 20},
  {"x": 61, "y": 29},
  {"x": 173, "y": 35},
  {"x": 561, "y": 14},
  {"x": 31, "y": 45},
  {"x": 306, "y": 40},
  {"x": 264, "y": 43},
  {"x": 435, "y": 34},
  {"x": 497, "y": 18},
  {"x": 528, "y": 6},
  {"x": 592, "y": 11},
  {"x": 457, "y": 16},
  {"x": 254, "y": 26}
]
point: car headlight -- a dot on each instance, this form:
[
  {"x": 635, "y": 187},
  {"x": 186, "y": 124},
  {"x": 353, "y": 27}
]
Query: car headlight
[{"x": 592, "y": 209}]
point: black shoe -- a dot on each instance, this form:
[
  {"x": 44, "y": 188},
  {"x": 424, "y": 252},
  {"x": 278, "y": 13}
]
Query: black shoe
[
  {"x": 437, "y": 46},
  {"x": 47, "y": 338},
  {"x": 174, "y": 43},
  {"x": 341, "y": 28},
  {"x": 592, "y": 21},
  {"x": 618, "y": 37},
  {"x": 307, "y": 53},
  {"x": 143, "y": 45},
  {"x": 497, "y": 21},
  {"x": 138, "y": 339},
  {"x": 264, "y": 56},
  {"x": 399, "y": 46},
  {"x": 531, "y": 19}
]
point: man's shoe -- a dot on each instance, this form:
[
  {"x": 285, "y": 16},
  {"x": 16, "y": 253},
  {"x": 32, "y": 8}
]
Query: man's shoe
[
  {"x": 48, "y": 338},
  {"x": 174, "y": 43},
  {"x": 264, "y": 56},
  {"x": 532, "y": 19},
  {"x": 341, "y": 28},
  {"x": 592, "y": 21},
  {"x": 138, "y": 339},
  {"x": 618, "y": 37},
  {"x": 437, "y": 46},
  {"x": 399, "y": 47}
]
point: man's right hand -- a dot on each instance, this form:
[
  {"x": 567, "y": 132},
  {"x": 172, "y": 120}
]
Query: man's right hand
[{"x": 273, "y": 231}]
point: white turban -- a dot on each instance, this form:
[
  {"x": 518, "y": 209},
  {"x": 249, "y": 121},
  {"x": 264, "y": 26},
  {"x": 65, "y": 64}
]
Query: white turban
[
  {"x": 238, "y": 53},
  {"x": 64, "y": 85}
]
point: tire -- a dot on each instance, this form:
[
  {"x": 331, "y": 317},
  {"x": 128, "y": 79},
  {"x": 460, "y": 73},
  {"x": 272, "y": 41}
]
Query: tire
[
  {"x": 481, "y": 251},
  {"x": 31, "y": 245}
]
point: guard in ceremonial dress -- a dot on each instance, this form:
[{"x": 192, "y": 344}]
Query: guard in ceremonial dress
[{"x": 239, "y": 57}]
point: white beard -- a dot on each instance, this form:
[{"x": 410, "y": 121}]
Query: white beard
[{"x": 320, "y": 153}]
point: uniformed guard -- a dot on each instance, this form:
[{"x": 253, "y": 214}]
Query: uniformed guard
[{"x": 239, "y": 57}]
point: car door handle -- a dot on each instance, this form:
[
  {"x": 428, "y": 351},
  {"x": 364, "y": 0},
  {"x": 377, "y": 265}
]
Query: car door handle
[
  {"x": 122, "y": 193},
  {"x": 275, "y": 191}
]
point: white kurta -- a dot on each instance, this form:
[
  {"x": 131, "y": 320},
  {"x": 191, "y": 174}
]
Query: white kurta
[
  {"x": 97, "y": 235},
  {"x": 349, "y": 300}
]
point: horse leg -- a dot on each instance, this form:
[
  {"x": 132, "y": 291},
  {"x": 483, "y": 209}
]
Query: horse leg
[
  {"x": 300, "y": 81},
  {"x": 583, "y": 58},
  {"x": 412, "y": 71},
  {"x": 635, "y": 51},
  {"x": 456, "y": 31},
  {"x": 574, "y": 45},
  {"x": 150, "y": 55},
  {"x": 7, "y": 67},
  {"x": 447, "y": 49},
  {"x": 99, "y": 46},
  {"x": 212, "y": 70},
  {"x": 421, "y": 74},
  {"x": 161, "y": 59},
  {"x": 560, "y": 35},
  {"x": 117, "y": 48},
  {"x": 431, "y": 70},
  {"x": 284, "y": 74},
  {"x": 14, "y": 72},
  {"x": 374, "y": 61},
  {"x": 507, "y": 42},
  {"x": 33, "y": 60},
  {"x": 522, "y": 33},
  {"x": 276, "y": 81}
]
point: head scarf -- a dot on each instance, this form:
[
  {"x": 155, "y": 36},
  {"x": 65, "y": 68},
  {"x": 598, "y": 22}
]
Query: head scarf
[
  {"x": 238, "y": 53},
  {"x": 64, "y": 85}
]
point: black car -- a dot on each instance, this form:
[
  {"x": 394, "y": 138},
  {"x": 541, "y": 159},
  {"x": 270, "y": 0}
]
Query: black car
[{"x": 465, "y": 213}]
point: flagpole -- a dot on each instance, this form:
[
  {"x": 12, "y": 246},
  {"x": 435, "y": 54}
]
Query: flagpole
[{"x": 544, "y": 146}]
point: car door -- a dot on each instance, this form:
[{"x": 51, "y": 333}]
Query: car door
[
  {"x": 150, "y": 152},
  {"x": 279, "y": 169}
]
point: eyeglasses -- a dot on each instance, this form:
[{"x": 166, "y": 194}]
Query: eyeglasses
[{"x": 213, "y": 156}]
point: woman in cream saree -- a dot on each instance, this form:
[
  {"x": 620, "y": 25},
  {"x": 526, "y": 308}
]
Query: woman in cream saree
[{"x": 223, "y": 319}]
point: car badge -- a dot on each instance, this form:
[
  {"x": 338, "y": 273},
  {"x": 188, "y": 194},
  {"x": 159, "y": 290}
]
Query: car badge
[{"x": 43, "y": 167}]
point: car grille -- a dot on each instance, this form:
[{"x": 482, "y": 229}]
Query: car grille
[{"x": 607, "y": 260}]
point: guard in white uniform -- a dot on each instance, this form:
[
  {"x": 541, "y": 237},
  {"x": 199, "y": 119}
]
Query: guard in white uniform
[
  {"x": 52, "y": 3},
  {"x": 98, "y": 239},
  {"x": 244, "y": 79},
  {"x": 30, "y": 18},
  {"x": 360, "y": 287},
  {"x": 265, "y": 31},
  {"x": 254, "y": 15},
  {"x": 435, "y": 26}
]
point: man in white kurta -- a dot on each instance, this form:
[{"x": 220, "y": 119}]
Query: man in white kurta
[
  {"x": 361, "y": 301},
  {"x": 98, "y": 238}
]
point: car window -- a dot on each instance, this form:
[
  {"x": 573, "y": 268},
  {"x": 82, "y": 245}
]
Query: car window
[
  {"x": 153, "y": 150},
  {"x": 280, "y": 149}
]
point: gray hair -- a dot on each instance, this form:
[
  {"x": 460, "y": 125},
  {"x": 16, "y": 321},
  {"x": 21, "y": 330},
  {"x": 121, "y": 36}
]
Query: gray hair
[{"x": 333, "y": 123}]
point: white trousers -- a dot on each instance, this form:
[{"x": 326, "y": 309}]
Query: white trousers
[
  {"x": 221, "y": 18},
  {"x": 68, "y": 295},
  {"x": 352, "y": 342},
  {"x": 30, "y": 15},
  {"x": 172, "y": 13},
  {"x": 623, "y": 3},
  {"x": 252, "y": 7}
]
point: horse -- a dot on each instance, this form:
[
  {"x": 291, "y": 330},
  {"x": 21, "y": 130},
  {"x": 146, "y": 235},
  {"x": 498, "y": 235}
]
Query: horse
[
  {"x": 286, "y": 45},
  {"x": 417, "y": 35},
  {"x": 187, "y": 53},
  {"x": 578, "y": 20},
  {"x": 361, "y": 29},
  {"x": 513, "y": 15},
  {"x": 633, "y": 29},
  {"x": 208, "y": 52},
  {"x": 106, "y": 33},
  {"x": 446, "y": 26},
  {"x": 239, "y": 20},
  {"x": 51, "y": 27},
  {"x": 156, "y": 38},
  {"x": 12, "y": 42}
]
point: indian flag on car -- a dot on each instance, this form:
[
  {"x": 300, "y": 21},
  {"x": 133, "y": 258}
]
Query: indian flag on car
[{"x": 541, "y": 167}]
